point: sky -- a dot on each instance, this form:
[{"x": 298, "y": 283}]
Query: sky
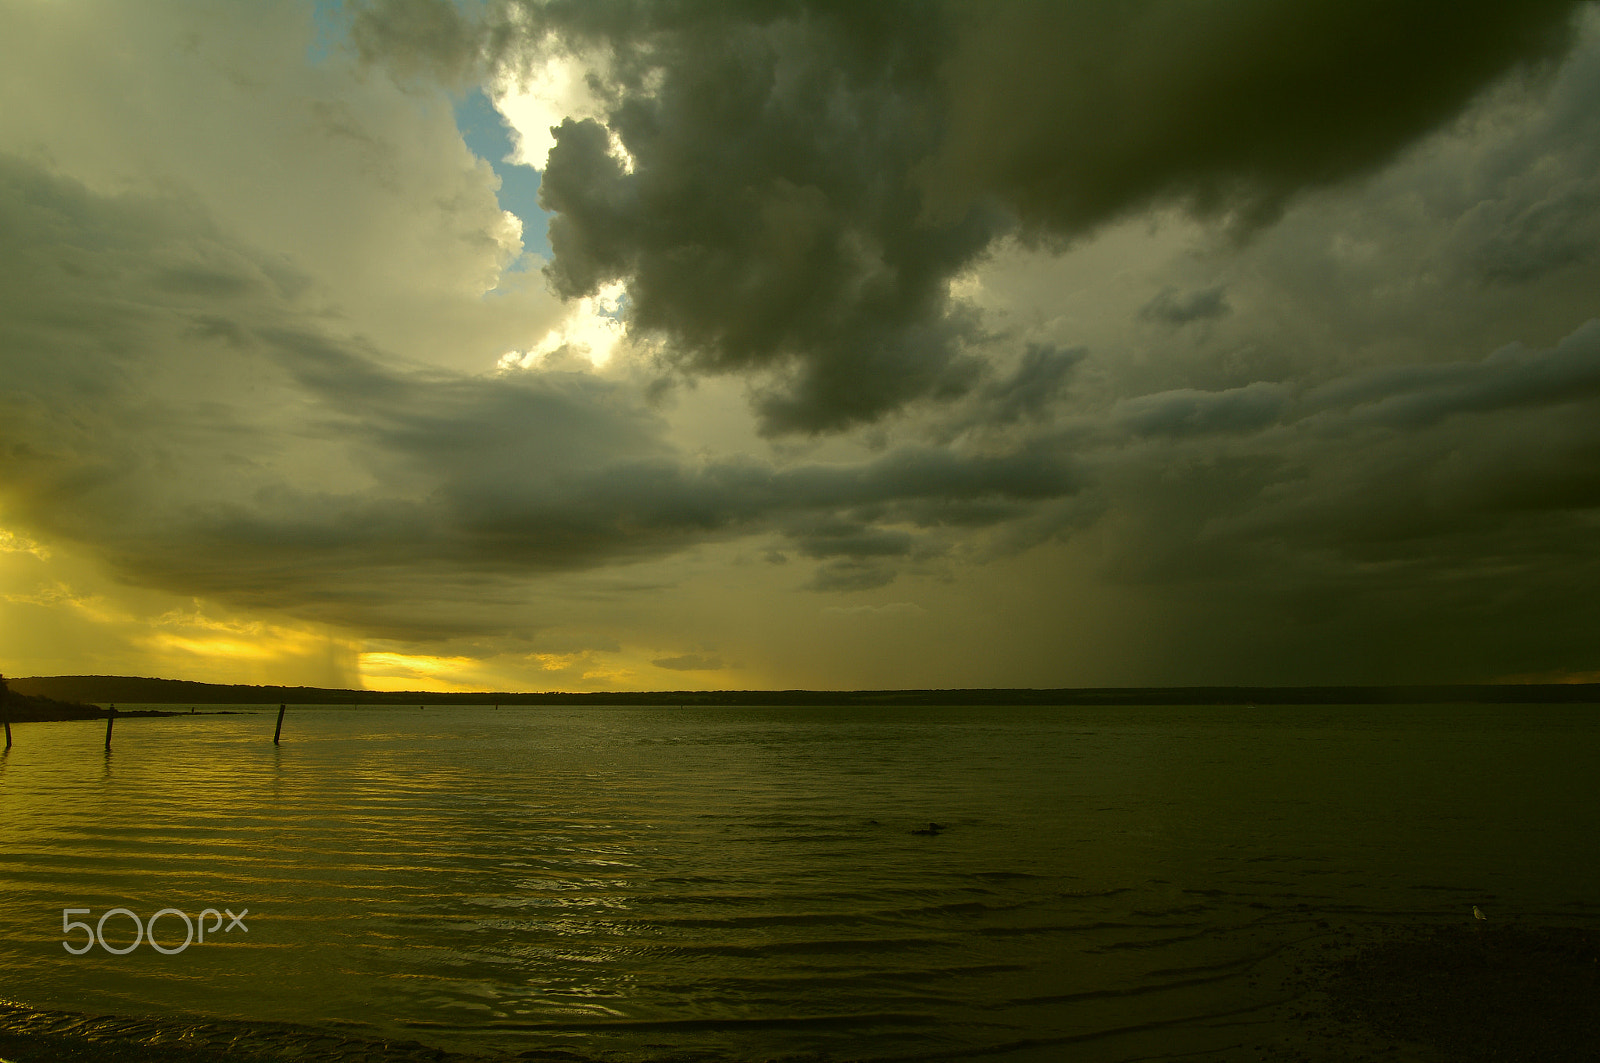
[{"x": 613, "y": 344}]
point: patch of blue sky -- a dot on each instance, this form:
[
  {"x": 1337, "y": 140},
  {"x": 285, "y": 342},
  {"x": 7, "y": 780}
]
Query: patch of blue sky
[
  {"x": 489, "y": 136},
  {"x": 329, "y": 29},
  {"x": 482, "y": 127}
]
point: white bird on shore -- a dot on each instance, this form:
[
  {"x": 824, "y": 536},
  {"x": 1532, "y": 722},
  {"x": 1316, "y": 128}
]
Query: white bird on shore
[{"x": 1477, "y": 913}]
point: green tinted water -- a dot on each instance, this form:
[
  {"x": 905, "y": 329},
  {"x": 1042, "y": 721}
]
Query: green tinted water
[{"x": 747, "y": 883}]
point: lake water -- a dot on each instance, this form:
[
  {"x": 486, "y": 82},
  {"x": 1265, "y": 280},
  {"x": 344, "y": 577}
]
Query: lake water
[{"x": 745, "y": 883}]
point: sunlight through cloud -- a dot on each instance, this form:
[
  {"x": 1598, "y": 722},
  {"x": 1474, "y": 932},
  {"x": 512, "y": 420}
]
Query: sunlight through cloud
[
  {"x": 541, "y": 96},
  {"x": 592, "y": 329}
]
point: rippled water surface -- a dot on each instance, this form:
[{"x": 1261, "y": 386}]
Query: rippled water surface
[{"x": 745, "y": 882}]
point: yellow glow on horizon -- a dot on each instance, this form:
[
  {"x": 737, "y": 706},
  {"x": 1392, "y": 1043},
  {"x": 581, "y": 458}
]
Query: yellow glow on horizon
[
  {"x": 382, "y": 670},
  {"x": 63, "y": 613},
  {"x": 389, "y": 670},
  {"x": 194, "y": 643}
]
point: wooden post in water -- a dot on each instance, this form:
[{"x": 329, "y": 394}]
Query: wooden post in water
[
  {"x": 279, "y": 731},
  {"x": 111, "y": 719},
  {"x": 8, "y": 730}
]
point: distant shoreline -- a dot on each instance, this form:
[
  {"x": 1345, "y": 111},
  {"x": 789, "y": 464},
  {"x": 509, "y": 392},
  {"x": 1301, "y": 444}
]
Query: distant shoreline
[
  {"x": 41, "y": 710},
  {"x": 103, "y": 690}
]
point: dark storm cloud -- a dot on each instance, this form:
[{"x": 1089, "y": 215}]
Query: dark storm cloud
[
  {"x": 807, "y": 177},
  {"x": 1541, "y": 239},
  {"x": 766, "y": 224},
  {"x": 1073, "y": 113},
  {"x": 562, "y": 471},
  {"x": 559, "y": 472},
  {"x": 1172, "y": 308},
  {"x": 1544, "y": 216},
  {"x": 1387, "y": 489},
  {"x": 1409, "y": 397},
  {"x": 1190, "y": 412},
  {"x": 1037, "y": 381},
  {"x": 1391, "y": 455}
]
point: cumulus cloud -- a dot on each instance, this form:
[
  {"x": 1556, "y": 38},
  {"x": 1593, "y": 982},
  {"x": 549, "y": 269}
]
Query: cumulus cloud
[
  {"x": 420, "y": 36},
  {"x": 762, "y": 227},
  {"x": 786, "y": 190}
]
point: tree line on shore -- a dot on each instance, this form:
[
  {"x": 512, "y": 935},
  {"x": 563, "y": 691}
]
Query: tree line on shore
[{"x": 84, "y": 694}]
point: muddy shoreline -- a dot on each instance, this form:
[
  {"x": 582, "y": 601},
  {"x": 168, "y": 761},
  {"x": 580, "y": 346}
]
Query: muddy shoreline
[
  {"x": 34, "y": 1035},
  {"x": 1452, "y": 993}
]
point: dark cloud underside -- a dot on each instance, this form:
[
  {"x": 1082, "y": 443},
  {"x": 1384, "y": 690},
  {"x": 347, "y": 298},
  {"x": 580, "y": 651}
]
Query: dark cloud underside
[
  {"x": 1072, "y": 113},
  {"x": 168, "y": 466}
]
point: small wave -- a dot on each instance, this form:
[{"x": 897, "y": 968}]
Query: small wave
[
  {"x": 1126, "y": 991},
  {"x": 1152, "y": 943},
  {"x": 210, "y": 1039},
  {"x": 1162, "y": 913},
  {"x": 745, "y": 922},
  {"x": 822, "y": 947},
  {"x": 1056, "y": 928},
  {"x": 747, "y": 1022}
]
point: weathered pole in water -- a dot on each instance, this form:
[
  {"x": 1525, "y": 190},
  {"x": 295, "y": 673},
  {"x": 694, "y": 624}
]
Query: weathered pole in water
[
  {"x": 111, "y": 719},
  {"x": 279, "y": 731},
  {"x": 8, "y": 730}
]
